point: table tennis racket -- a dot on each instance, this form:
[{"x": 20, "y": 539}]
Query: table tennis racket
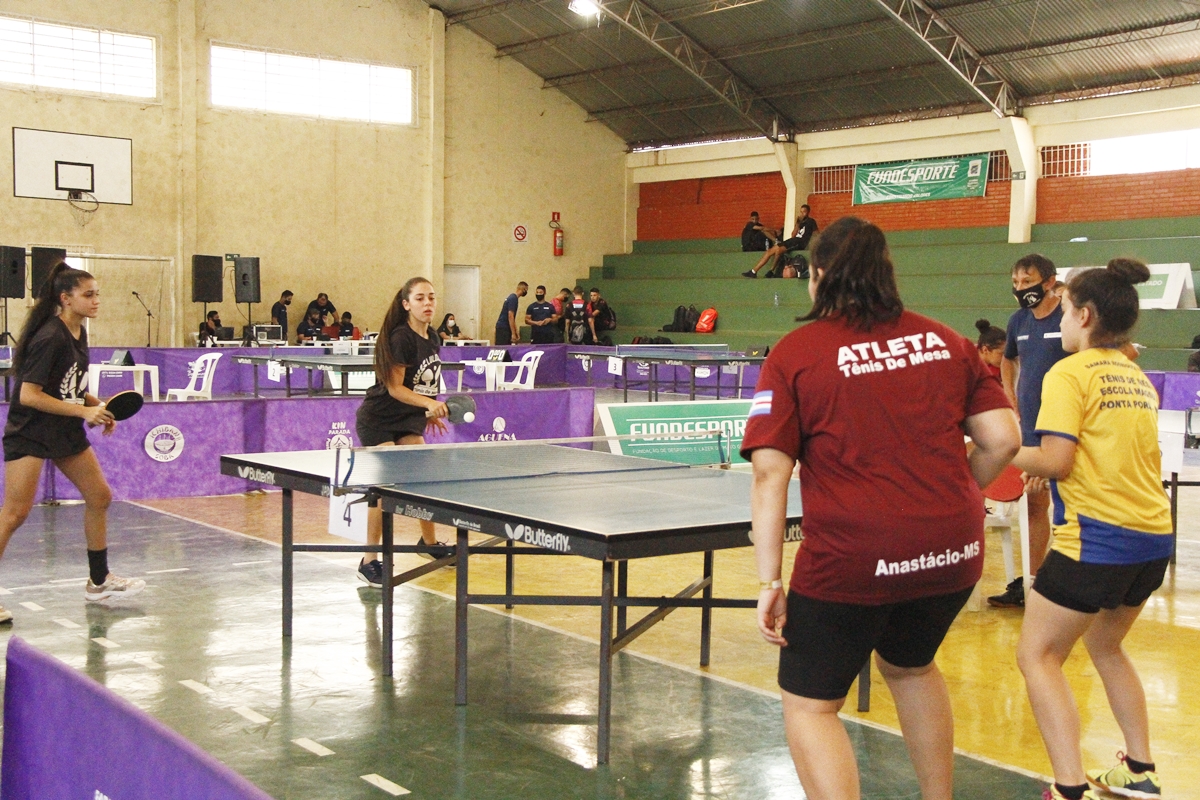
[
  {"x": 461, "y": 407},
  {"x": 124, "y": 405}
]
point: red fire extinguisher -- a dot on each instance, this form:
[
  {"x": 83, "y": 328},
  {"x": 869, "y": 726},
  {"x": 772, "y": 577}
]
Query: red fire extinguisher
[{"x": 558, "y": 233}]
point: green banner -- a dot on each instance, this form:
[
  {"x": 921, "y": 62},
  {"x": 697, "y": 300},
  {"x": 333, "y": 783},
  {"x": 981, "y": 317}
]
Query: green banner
[
  {"x": 686, "y": 433},
  {"x": 927, "y": 179}
]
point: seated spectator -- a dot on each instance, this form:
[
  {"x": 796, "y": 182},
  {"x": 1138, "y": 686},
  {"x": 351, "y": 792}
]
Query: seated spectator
[
  {"x": 309, "y": 328},
  {"x": 755, "y": 236},
  {"x": 806, "y": 226},
  {"x": 209, "y": 328},
  {"x": 325, "y": 308},
  {"x": 347, "y": 330},
  {"x": 448, "y": 330}
]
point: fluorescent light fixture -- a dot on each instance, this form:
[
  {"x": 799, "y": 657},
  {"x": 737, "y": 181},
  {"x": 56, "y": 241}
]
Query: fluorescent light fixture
[{"x": 586, "y": 8}]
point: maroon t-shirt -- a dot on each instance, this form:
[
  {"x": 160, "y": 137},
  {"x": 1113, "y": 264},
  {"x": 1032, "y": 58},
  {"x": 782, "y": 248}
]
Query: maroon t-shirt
[{"x": 891, "y": 512}]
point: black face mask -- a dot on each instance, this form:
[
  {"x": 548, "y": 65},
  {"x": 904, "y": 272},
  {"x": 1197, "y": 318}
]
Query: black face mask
[
  {"x": 540, "y": 297},
  {"x": 1028, "y": 298}
]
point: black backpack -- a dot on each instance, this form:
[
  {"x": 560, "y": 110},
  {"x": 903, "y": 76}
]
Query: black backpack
[
  {"x": 607, "y": 321},
  {"x": 693, "y": 316},
  {"x": 677, "y": 325}
]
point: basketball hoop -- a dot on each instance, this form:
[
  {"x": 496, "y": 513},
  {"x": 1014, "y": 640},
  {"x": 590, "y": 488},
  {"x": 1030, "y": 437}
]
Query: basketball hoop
[{"x": 83, "y": 206}]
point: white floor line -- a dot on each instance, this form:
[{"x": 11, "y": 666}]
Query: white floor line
[
  {"x": 4, "y": 591},
  {"x": 394, "y": 789},
  {"x": 162, "y": 571},
  {"x": 250, "y": 714},
  {"x": 249, "y": 563},
  {"x": 313, "y": 747},
  {"x": 66, "y": 623},
  {"x": 195, "y": 686},
  {"x": 148, "y": 663},
  {"x": 84, "y": 579},
  {"x": 106, "y": 643},
  {"x": 32, "y": 606}
]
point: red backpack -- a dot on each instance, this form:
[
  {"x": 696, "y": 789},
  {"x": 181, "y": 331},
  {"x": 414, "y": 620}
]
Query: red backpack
[{"x": 708, "y": 321}]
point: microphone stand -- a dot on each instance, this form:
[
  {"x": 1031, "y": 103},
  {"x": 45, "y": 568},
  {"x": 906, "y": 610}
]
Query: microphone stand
[{"x": 149, "y": 316}]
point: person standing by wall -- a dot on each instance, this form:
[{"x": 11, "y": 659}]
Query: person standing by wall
[
  {"x": 507, "y": 331},
  {"x": 279, "y": 312},
  {"x": 541, "y": 319}
]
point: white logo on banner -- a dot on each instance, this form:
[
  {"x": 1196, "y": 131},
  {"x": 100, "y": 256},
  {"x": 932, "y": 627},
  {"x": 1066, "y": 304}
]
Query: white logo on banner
[
  {"x": 498, "y": 424},
  {"x": 339, "y": 437},
  {"x": 164, "y": 443}
]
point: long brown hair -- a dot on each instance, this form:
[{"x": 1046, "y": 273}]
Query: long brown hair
[
  {"x": 61, "y": 280},
  {"x": 858, "y": 281},
  {"x": 397, "y": 316},
  {"x": 1110, "y": 294}
]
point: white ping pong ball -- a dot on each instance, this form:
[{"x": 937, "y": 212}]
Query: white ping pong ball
[{"x": 469, "y": 417}]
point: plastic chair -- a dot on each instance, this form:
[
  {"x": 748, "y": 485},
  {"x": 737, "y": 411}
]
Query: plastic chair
[
  {"x": 526, "y": 371},
  {"x": 200, "y": 386},
  {"x": 1012, "y": 510}
]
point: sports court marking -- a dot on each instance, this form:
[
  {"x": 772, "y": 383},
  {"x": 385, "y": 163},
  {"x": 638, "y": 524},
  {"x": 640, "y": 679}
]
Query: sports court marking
[
  {"x": 162, "y": 571},
  {"x": 70, "y": 580},
  {"x": 66, "y": 623},
  {"x": 32, "y": 606},
  {"x": 105, "y": 642},
  {"x": 4, "y": 591},
  {"x": 380, "y": 782},
  {"x": 250, "y": 714},
  {"x": 313, "y": 747},
  {"x": 195, "y": 686},
  {"x": 250, "y": 563}
]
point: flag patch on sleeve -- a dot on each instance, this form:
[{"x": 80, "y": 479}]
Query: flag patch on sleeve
[{"x": 761, "y": 404}]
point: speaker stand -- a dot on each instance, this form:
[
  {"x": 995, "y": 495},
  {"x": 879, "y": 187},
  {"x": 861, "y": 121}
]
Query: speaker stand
[
  {"x": 149, "y": 316},
  {"x": 248, "y": 335},
  {"x": 6, "y": 338}
]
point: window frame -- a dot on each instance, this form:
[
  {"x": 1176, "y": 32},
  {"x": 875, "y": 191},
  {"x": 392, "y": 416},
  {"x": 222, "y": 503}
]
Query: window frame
[
  {"x": 413, "y": 70},
  {"x": 155, "y": 39}
]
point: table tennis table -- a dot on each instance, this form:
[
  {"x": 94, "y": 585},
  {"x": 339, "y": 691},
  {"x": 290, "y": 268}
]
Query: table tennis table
[
  {"x": 692, "y": 356},
  {"x": 339, "y": 363},
  {"x": 530, "y": 499}
]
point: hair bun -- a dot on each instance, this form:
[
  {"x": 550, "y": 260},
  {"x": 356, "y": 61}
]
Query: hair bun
[
  {"x": 982, "y": 325},
  {"x": 1130, "y": 270}
]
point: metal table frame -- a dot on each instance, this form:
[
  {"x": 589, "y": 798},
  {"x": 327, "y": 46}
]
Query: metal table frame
[
  {"x": 614, "y": 600},
  {"x": 717, "y": 359}
]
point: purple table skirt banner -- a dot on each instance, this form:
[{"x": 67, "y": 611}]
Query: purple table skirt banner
[
  {"x": 175, "y": 366},
  {"x": 670, "y": 378},
  {"x": 174, "y": 449},
  {"x": 1180, "y": 391},
  {"x": 66, "y": 737}
]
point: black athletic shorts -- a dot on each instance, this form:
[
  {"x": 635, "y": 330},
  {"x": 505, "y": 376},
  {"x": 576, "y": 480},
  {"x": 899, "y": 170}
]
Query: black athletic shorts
[
  {"x": 828, "y": 643},
  {"x": 1087, "y": 588},
  {"x": 795, "y": 243},
  {"x": 373, "y": 437}
]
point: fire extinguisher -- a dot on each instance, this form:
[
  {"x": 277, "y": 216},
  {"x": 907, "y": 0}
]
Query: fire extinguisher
[{"x": 558, "y": 233}]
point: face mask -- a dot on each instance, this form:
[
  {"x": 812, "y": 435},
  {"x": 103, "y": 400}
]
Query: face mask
[
  {"x": 540, "y": 297},
  {"x": 1028, "y": 298}
]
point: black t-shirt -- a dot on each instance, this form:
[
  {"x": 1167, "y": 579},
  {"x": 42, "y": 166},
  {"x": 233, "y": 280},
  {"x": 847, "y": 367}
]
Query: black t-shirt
[
  {"x": 538, "y": 311},
  {"x": 753, "y": 240},
  {"x": 805, "y": 231},
  {"x": 58, "y": 362},
  {"x": 309, "y": 330},
  {"x": 328, "y": 308},
  {"x": 346, "y": 329},
  {"x": 279, "y": 312},
  {"x": 422, "y": 372},
  {"x": 446, "y": 333}
]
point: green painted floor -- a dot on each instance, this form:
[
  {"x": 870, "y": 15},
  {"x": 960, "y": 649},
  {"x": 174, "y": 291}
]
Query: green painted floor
[{"x": 211, "y": 615}]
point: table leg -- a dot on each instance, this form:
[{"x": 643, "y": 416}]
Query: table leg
[
  {"x": 345, "y": 384},
  {"x": 692, "y": 383},
  {"x": 254, "y": 367},
  {"x": 287, "y": 561},
  {"x": 388, "y": 589},
  {"x": 460, "y": 621},
  {"x": 310, "y": 376},
  {"x": 460, "y": 374},
  {"x": 622, "y": 591},
  {"x": 288, "y": 371},
  {"x": 625, "y": 379},
  {"x": 603, "y": 726},
  {"x": 154, "y": 384},
  {"x": 706, "y": 612},
  {"x": 508, "y": 571}
]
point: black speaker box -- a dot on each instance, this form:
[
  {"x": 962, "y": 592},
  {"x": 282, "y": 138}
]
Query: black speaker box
[
  {"x": 246, "y": 288},
  {"x": 12, "y": 271},
  {"x": 206, "y": 279},
  {"x": 44, "y": 260}
]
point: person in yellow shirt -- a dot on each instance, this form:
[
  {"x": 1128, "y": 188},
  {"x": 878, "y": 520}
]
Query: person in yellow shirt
[{"x": 1112, "y": 530}]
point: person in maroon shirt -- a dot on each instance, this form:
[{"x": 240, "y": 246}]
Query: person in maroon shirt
[{"x": 874, "y": 402}]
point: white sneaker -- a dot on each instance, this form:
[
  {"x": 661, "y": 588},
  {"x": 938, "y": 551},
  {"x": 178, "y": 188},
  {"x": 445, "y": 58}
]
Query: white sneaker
[
  {"x": 5, "y": 615},
  {"x": 113, "y": 587}
]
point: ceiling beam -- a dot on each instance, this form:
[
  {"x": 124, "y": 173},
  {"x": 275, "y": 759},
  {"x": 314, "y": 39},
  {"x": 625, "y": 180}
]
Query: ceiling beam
[
  {"x": 485, "y": 10},
  {"x": 1094, "y": 40},
  {"x": 954, "y": 51},
  {"x": 630, "y": 69},
  {"x": 1150, "y": 84},
  {"x": 647, "y": 24}
]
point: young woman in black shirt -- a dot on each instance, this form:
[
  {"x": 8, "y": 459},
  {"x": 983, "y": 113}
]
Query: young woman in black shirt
[
  {"x": 46, "y": 418},
  {"x": 403, "y": 402}
]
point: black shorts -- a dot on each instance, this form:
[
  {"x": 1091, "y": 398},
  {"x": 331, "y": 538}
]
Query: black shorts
[
  {"x": 373, "y": 437},
  {"x": 828, "y": 643},
  {"x": 795, "y": 243},
  {"x": 1087, "y": 588},
  {"x": 71, "y": 443}
]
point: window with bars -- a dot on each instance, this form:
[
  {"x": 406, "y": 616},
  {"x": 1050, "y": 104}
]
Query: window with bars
[
  {"x": 1066, "y": 160},
  {"x": 42, "y": 54},
  {"x": 309, "y": 86}
]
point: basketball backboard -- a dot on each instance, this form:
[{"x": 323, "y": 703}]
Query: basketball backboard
[{"x": 49, "y": 164}]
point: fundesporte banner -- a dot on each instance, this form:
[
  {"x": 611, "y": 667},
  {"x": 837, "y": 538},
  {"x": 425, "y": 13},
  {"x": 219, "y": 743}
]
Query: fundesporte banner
[{"x": 926, "y": 179}]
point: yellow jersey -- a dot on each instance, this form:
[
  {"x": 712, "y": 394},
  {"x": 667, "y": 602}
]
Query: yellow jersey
[{"x": 1111, "y": 508}]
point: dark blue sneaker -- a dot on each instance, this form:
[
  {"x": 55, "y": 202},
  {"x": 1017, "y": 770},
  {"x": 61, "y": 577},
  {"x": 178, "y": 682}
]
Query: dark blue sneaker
[
  {"x": 371, "y": 573},
  {"x": 433, "y": 551}
]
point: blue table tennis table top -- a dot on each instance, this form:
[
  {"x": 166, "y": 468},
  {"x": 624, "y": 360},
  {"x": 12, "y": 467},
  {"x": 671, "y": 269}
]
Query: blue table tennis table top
[{"x": 604, "y": 505}]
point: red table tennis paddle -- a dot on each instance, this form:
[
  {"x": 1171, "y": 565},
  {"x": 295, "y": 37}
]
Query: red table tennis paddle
[
  {"x": 124, "y": 405},
  {"x": 461, "y": 407}
]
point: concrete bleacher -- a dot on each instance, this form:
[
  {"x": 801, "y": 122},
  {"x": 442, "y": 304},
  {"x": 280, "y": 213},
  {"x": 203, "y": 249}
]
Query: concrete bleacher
[{"x": 955, "y": 276}]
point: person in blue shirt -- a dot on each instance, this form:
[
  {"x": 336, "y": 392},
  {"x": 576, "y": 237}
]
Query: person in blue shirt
[
  {"x": 1033, "y": 346},
  {"x": 507, "y": 331}
]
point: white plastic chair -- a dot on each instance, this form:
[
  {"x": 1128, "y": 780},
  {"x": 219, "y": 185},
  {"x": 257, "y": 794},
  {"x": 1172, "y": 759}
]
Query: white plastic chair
[
  {"x": 200, "y": 386},
  {"x": 523, "y": 377},
  {"x": 1008, "y": 514}
]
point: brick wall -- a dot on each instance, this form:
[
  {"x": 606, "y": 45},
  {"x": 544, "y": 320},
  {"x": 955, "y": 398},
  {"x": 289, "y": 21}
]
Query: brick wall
[
  {"x": 1113, "y": 197},
  {"x": 972, "y": 212},
  {"x": 709, "y": 208}
]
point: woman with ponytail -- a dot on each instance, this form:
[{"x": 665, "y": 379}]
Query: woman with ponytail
[
  {"x": 1112, "y": 530},
  {"x": 873, "y": 401},
  {"x": 46, "y": 419},
  {"x": 403, "y": 402}
]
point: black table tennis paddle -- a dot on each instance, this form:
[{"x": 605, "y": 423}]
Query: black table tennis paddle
[
  {"x": 461, "y": 407},
  {"x": 124, "y": 405}
]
